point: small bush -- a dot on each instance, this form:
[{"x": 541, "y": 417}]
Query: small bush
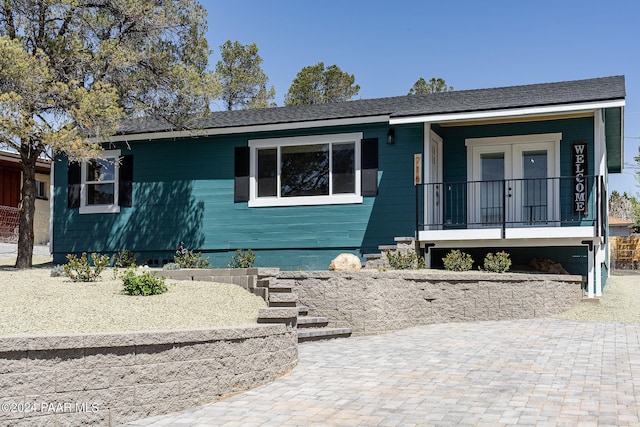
[
  {"x": 171, "y": 266},
  {"x": 186, "y": 258},
  {"x": 498, "y": 262},
  {"x": 57, "y": 271},
  {"x": 124, "y": 259},
  {"x": 79, "y": 270},
  {"x": 242, "y": 259},
  {"x": 404, "y": 261},
  {"x": 143, "y": 285},
  {"x": 457, "y": 261}
]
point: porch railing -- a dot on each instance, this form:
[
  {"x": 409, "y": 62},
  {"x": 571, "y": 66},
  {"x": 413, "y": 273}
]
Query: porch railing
[{"x": 532, "y": 202}]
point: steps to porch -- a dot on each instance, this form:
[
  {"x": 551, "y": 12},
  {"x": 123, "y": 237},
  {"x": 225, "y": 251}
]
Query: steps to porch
[
  {"x": 283, "y": 308},
  {"x": 379, "y": 260}
]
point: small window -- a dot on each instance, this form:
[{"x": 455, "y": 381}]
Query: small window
[
  {"x": 41, "y": 190},
  {"x": 99, "y": 190},
  {"x": 313, "y": 170}
]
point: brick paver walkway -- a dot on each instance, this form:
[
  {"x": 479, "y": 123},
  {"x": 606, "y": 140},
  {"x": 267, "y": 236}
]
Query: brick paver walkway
[{"x": 537, "y": 372}]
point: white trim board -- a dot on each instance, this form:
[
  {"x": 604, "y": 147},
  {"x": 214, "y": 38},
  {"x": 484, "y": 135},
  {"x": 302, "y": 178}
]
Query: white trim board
[
  {"x": 531, "y": 236},
  {"x": 510, "y": 112}
]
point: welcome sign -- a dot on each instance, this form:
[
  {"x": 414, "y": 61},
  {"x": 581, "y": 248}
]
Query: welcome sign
[{"x": 579, "y": 164}]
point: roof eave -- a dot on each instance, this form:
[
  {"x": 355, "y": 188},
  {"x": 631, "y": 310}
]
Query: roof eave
[
  {"x": 508, "y": 112},
  {"x": 267, "y": 127}
]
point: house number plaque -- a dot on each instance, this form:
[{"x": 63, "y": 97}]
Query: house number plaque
[{"x": 579, "y": 163}]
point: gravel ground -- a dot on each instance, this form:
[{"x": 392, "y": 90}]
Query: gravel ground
[
  {"x": 620, "y": 302},
  {"x": 32, "y": 302}
]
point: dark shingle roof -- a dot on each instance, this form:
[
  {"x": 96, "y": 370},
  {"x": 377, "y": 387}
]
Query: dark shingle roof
[{"x": 460, "y": 101}]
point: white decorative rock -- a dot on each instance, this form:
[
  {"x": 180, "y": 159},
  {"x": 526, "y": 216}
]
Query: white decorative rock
[{"x": 345, "y": 262}]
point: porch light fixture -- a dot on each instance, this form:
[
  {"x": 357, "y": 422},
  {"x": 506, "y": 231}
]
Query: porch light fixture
[{"x": 391, "y": 137}]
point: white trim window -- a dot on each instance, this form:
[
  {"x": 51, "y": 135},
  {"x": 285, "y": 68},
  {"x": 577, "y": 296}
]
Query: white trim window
[
  {"x": 310, "y": 170},
  {"x": 99, "y": 184},
  {"x": 41, "y": 190}
]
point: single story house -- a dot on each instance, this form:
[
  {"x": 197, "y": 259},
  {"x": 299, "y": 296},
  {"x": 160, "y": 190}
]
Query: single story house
[{"x": 522, "y": 169}]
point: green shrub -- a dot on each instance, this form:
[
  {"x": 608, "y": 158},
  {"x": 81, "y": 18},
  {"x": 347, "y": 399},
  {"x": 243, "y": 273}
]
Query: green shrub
[
  {"x": 171, "y": 266},
  {"x": 57, "y": 271},
  {"x": 124, "y": 258},
  {"x": 457, "y": 261},
  {"x": 404, "y": 261},
  {"x": 242, "y": 259},
  {"x": 144, "y": 285},
  {"x": 498, "y": 262},
  {"x": 79, "y": 270},
  {"x": 186, "y": 258}
]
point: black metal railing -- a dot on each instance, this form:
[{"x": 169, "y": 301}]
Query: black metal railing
[{"x": 533, "y": 202}]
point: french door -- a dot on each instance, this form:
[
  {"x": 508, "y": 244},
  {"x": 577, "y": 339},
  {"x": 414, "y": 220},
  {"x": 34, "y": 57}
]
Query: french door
[{"x": 511, "y": 183}]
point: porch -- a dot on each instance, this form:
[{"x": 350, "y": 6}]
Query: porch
[
  {"x": 543, "y": 209},
  {"x": 533, "y": 215}
]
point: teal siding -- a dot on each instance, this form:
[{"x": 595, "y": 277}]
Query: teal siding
[
  {"x": 455, "y": 151},
  {"x": 615, "y": 144},
  {"x": 455, "y": 154},
  {"x": 183, "y": 191}
]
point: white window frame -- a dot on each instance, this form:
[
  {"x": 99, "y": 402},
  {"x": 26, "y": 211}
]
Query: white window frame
[
  {"x": 41, "y": 190},
  {"x": 85, "y": 208},
  {"x": 277, "y": 143}
]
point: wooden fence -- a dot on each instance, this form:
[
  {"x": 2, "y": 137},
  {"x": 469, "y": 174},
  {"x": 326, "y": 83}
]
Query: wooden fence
[{"x": 625, "y": 252}]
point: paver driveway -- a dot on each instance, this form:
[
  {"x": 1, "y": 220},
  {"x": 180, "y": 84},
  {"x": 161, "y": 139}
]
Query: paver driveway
[{"x": 522, "y": 372}]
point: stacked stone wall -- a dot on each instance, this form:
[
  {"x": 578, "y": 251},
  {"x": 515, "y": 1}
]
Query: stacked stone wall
[
  {"x": 110, "y": 379},
  {"x": 372, "y": 302}
]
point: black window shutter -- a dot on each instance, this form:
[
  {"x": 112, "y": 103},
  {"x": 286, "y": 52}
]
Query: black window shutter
[
  {"x": 74, "y": 174},
  {"x": 241, "y": 175},
  {"x": 369, "y": 163},
  {"x": 125, "y": 186}
]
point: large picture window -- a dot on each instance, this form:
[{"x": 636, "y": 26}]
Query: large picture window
[{"x": 321, "y": 169}]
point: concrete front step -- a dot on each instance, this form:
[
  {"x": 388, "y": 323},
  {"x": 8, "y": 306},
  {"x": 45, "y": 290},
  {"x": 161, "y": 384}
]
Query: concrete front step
[
  {"x": 303, "y": 310},
  {"x": 282, "y": 298},
  {"x": 314, "y": 334},
  {"x": 312, "y": 322},
  {"x": 286, "y": 315}
]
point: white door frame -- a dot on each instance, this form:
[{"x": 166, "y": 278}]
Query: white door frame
[
  {"x": 513, "y": 148},
  {"x": 433, "y": 174}
]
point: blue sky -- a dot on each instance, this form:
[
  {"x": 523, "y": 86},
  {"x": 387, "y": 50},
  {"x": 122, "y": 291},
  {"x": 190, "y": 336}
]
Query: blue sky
[{"x": 471, "y": 44}]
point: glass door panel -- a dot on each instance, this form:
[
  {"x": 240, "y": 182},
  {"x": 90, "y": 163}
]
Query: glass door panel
[
  {"x": 492, "y": 175},
  {"x": 535, "y": 206},
  {"x": 513, "y": 182}
]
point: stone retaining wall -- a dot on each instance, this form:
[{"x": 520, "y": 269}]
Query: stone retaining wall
[
  {"x": 247, "y": 278},
  {"x": 372, "y": 302},
  {"x": 109, "y": 379},
  {"x": 244, "y": 277}
]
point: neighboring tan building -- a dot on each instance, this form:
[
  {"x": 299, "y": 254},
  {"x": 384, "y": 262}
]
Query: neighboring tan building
[{"x": 10, "y": 189}]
